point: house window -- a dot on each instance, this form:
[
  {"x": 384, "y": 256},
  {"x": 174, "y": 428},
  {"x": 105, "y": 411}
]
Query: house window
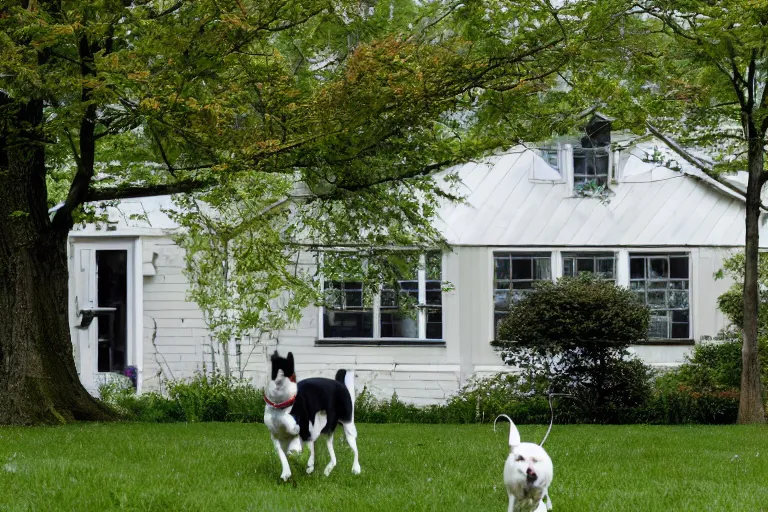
[
  {"x": 603, "y": 265},
  {"x": 514, "y": 275},
  {"x": 407, "y": 308},
  {"x": 590, "y": 165},
  {"x": 345, "y": 315},
  {"x": 550, "y": 155},
  {"x": 662, "y": 282}
]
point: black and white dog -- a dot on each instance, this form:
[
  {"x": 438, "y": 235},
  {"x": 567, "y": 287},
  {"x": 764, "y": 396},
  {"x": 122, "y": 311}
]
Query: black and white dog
[{"x": 297, "y": 412}]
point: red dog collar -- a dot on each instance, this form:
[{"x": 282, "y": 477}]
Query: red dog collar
[
  {"x": 281, "y": 405},
  {"x": 287, "y": 403}
]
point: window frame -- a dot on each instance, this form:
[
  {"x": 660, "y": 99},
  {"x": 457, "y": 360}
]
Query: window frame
[
  {"x": 595, "y": 256},
  {"x": 587, "y": 153},
  {"x": 516, "y": 253},
  {"x": 647, "y": 255},
  {"x": 422, "y": 307}
]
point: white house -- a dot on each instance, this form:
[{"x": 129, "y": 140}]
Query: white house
[{"x": 662, "y": 228}]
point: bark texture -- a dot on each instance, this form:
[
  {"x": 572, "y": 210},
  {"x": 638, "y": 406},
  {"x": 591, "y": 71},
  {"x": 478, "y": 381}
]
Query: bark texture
[
  {"x": 38, "y": 378},
  {"x": 751, "y": 409}
]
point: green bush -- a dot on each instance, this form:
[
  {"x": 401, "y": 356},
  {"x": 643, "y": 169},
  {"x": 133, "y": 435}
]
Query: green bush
[
  {"x": 717, "y": 366},
  {"x": 671, "y": 406},
  {"x": 201, "y": 398},
  {"x": 216, "y": 398},
  {"x": 148, "y": 407},
  {"x": 573, "y": 335}
]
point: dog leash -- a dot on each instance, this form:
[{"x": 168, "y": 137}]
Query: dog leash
[{"x": 552, "y": 414}]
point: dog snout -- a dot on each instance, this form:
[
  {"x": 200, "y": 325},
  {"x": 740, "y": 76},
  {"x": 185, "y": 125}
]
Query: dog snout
[{"x": 530, "y": 475}]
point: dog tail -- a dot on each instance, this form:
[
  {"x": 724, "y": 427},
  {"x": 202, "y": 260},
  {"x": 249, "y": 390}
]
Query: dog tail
[
  {"x": 348, "y": 379},
  {"x": 514, "y": 435}
]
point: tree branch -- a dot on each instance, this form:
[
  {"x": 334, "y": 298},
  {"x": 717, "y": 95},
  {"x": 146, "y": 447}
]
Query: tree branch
[
  {"x": 696, "y": 162},
  {"x": 128, "y": 192}
]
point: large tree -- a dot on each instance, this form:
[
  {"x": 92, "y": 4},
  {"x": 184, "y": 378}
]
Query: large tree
[
  {"x": 695, "y": 74},
  {"x": 341, "y": 108}
]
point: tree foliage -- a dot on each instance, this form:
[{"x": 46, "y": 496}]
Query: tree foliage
[
  {"x": 695, "y": 75},
  {"x": 731, "y": 303}
]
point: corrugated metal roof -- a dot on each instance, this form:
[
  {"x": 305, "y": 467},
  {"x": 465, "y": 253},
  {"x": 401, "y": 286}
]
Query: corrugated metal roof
[{"x": 652, "y": 205}]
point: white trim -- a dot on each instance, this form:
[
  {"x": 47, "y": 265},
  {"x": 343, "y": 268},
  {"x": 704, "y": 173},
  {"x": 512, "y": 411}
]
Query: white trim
[
  {"x": 138, "y": 312},
  {"x": 134, "y": 299},
  {"x": 376, "y": 309},
  {"x": 557, "y": 264},
  {"x": 376, "y": 314},
  {"x": 421, "y": 276},
  {"x": 622, "y": 268}
]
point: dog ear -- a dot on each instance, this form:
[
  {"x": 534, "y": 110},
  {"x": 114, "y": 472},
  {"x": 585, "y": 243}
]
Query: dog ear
[
  {"x": 275, "y": 356},
  {"x": 291, "y": 370}
]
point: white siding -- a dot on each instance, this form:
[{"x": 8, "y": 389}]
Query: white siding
[{"x": 417, "y": 374}]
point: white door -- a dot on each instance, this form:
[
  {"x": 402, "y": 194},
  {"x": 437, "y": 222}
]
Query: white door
[{"x": 104, "y": 311}]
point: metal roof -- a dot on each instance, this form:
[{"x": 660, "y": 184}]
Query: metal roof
[{"x": 651, "y": 205}]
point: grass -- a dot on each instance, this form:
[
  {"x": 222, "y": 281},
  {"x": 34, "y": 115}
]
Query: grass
[{"x": 216, "y": 466}]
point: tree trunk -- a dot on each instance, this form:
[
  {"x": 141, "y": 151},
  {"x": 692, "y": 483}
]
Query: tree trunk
[
  {"x": 751, "y": 408},
  {"x": 38, "y": 378}
]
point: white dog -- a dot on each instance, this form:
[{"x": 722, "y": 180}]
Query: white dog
[
  {"x": 528, "y": 473},
  {"x": 303, "y": 411}
]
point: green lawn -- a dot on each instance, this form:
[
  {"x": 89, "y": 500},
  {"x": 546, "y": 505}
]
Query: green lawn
[{"x": 217, "y": 466}]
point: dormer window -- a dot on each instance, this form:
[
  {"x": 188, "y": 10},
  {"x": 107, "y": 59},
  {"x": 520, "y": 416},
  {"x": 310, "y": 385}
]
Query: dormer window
[
  {"x": 591, "y": 165},
  {"x": 550, "y": 155}
]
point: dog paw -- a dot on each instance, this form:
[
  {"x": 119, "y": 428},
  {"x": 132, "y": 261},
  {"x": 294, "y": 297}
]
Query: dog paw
[
  {"x": 285, "y": 475},
  {"x": 356, "y": 469},
  {"x": 328, "y": 469},
  {"x": 310, "y": 470}
]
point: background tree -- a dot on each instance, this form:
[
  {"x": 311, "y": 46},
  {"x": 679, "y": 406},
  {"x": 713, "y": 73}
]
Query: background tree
[
  {"x": 695, "y": 75},
  {"x": 573, "y": 336},
  {"x": 332, "y": 115}
]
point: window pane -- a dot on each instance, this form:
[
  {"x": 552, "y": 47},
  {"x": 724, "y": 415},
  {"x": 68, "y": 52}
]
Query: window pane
[
  {"x": 601, "y": 164},
  {"x": 579, "y": 163},
  {"x": 605, "y": 267},
  {"x": 543, "y": 268},
  {"x": 680, "y": 316},
  {"x": 637, "y": 268},
  {"x": 585, "y": 265},
  {"x": 657, "y": 300},
  {"x": 434, "y": 293},
  {"x": 659, "y": 327},
  {"x": 679, "y": 331},
  {"x": 500, "y": 299},
  {"x": 434, "y": 324},
  {"x": 678, "y": 268},
  {"x": 658, "y": 268},
  {"x": 353, "y": 299},
  {"x": 522, "y": 269},
  {"x": 347, "y": 324},
  {"x": 502, "y": 268},
  {"x": 568, "y": 269},
  {"x": 399, "y": 324},
  {"x": 678, "y": 300}
]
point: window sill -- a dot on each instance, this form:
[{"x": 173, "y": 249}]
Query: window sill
[
  {"x": 378, "y": 342},
  {"x": 672, "y": 342}
]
